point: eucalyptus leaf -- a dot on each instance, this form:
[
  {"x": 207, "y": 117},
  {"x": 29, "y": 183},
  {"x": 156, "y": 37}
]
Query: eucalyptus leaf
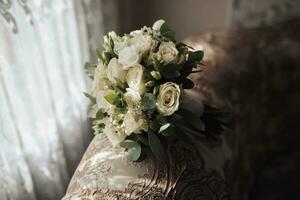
[
  {"x": 134, "y": 149},
  {"x": 148, "y": 101},
  {"x": 156, "y": 147}
]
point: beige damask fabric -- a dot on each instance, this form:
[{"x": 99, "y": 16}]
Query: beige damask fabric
[{"x": 105, "y": 173}]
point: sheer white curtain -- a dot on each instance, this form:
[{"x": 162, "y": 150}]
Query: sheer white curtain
[{"x": 43, "y": 123}]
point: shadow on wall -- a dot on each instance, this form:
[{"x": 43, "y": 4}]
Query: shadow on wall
[{"x": 186, "y": 17}]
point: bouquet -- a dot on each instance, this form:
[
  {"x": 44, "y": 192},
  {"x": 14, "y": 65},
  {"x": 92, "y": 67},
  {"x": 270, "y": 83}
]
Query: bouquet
[{"x": 137, "y": 88}]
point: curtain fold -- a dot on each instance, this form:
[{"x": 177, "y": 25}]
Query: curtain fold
[{"x": 43, "y": 125}]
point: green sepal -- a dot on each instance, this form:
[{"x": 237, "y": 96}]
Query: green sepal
[{"x": 90, "y": 97}]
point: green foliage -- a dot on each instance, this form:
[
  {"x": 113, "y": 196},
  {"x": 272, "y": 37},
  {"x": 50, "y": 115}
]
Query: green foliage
[
  {"x": 101, "y": 114},
  {"x": 158, "y": 121},
  {"x": 148, "y": 101},
  {"x": 195, "y": 56},
  {"x": 167, "y": 32},
  {"x": 112, "y": 98},
  {"x": 143, "y": 139},
  {"x": 134, "y": 149},
  {"x": 171, "y": 71},
  {"x": 156, "y": 147},
  {"x": 167, "y": 129}
]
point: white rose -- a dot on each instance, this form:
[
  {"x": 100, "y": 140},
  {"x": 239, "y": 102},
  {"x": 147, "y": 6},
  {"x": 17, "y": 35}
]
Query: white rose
[
  {"x": 135, "y": 33},
  {"x": 134, "y": 123},
  {"x": 115, "y": 71},
  {"x": 168, "y": 98},
  {"x": 132, "y": 98},
  {"x": 135, "y": 79},
  {"x": 142, "y": 42},
  {"x": 156, "y": 26},
  {"x": 119, "y": 45},
  {"x": 114, "y": 136},
  {"x": 168, "y": 51},
  {"x": 100, "y": 78},
  {"x": 129, "y": 57}
]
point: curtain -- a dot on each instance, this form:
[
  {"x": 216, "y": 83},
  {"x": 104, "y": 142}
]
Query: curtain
[{"x": 43, "y": 124}]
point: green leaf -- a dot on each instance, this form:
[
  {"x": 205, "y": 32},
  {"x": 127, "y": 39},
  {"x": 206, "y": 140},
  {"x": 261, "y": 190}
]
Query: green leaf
[
  {"x": 120, "y": 110},
  {"x": 158, "y": 121},
  {"x": 148, "y": 101},
  {"x": 156, "y": 147},
  {"x": 91, "y": 97},
  {"x": 112, "y": 98},
  {"x": 98, "y": 52},
  {"x": 121, "y": 86},
  {"x": 167, "y": 32},
  {"x": 143, "y": 139},
  {"x": 170, "y": 74},
  {"x": 187, "y": 84},
  {"x": 171, "y": 71},
  {"x": 134, "y": 149},
  {"x": 100, "y": 114},
  {"x": 195, "y": 56},
  {"x": 167, "y": 129},
  {"x": 93, "y": 111}
]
